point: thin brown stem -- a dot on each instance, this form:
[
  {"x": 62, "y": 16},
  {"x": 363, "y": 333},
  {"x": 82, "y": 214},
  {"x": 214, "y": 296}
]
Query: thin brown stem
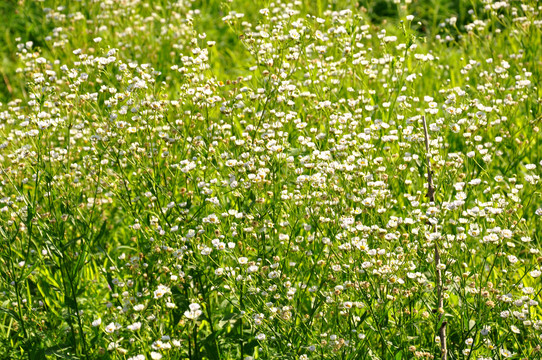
[{"x": 430, "y": 187}]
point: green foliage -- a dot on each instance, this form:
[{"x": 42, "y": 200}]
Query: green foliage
[{"x": 249, "y": 179}]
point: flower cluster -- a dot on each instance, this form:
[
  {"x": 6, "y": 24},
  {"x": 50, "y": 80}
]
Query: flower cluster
[{"x": 155, "y": 205}]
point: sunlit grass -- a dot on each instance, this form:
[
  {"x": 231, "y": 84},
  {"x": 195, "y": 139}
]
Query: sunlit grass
[{"x": 249, "y": 180}]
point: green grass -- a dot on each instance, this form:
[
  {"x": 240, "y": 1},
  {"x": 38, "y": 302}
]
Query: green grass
[{"x": 180, "y": 181}]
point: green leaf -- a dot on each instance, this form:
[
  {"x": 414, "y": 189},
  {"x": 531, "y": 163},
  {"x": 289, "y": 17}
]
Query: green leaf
[{"x": 10, "y": 313}]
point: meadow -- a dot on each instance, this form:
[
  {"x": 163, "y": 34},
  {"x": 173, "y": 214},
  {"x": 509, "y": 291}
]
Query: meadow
[{"x": 282, "y": 179}]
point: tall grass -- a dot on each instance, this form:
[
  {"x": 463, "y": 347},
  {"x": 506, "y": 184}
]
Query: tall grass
[{"x": 270, "y": 180}]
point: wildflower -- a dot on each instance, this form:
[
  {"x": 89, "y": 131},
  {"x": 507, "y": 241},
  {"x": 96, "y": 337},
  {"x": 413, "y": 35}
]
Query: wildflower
[
  {"x": 112, "y": 327},
  {"x": 161, "y": 291},
  {"x": 137, "y": 357},
  {"x": 506, "y": 353},
  {"x": 155, "y": 355},
  {"x": 294, "y": 34},
  {"x": 134, "y": 327},
  {"x": 194, "y": 311}
]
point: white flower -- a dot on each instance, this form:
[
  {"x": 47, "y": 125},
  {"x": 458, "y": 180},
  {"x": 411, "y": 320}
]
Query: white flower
[
  {"x": 194, "y": 311},
  {"x": 155, "y": 355},
  {"x": 252, "y": 269},
  {"x": 161, "y": 291},
  {"x": 171, "y": 305},
  {"x": 134, "y": 327},
  {"x": 506, "y": 353},
  {"x": 115, "y": 346},
  {"x": 294, "y": 34},
  {"x": 137, "y": 357},
  {"x": 112, "y": 327},
  {"x": 97, "y": 322}
]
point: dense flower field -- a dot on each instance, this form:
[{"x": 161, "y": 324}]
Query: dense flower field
[{"x": 279, "y": 179}]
